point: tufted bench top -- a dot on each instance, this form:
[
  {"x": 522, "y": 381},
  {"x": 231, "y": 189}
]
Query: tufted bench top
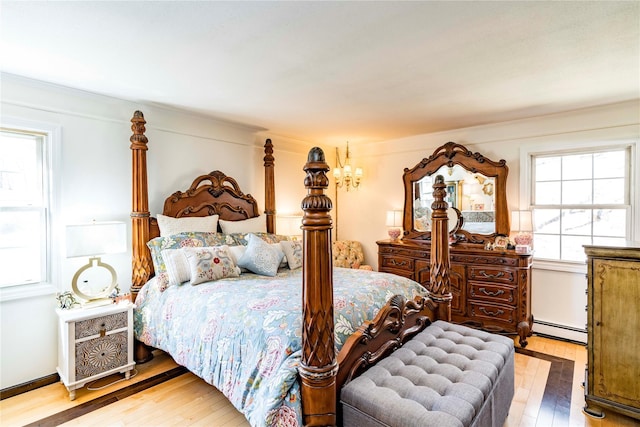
[{"x": 441, "y": 377}]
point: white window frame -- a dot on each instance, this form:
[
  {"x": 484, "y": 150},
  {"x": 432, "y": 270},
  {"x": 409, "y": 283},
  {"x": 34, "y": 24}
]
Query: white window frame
[
  {"x": 591, "y": 143},
  {"x": 52, "y": 145}
]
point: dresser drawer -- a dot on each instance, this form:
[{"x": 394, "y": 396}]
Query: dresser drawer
[
  {"x": 483, "y": 260},
  {"x": 492, "y": 292},
  {"x": 492, "y": 274},
  {"x": 397, "y": 263},
  {"x": 101, "y": 325},
  {"x": 101, "y": 354},
  {"x": 494, "y": 312},
  {"x": 403, "y": 273}
]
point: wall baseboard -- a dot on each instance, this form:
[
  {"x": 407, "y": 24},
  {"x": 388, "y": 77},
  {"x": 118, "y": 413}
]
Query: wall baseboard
[
  {"x": 556, "y": 330},
  {"x": 28, "y": 386}
]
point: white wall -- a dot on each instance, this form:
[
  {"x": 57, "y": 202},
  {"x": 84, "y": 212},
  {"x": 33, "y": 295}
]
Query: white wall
[
  {"x": 558, "y": 296},
  {"x": 96, "y": 184}
]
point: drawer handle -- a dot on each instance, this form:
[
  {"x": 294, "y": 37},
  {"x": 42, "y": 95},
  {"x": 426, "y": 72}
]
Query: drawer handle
[
  {"x": 490, "y": 313},
  {"x": 103, "y": 332},
  {"x": 394, "y": 262},
  {"x": 492, "y": 276},
  {"x": 492, "y": 294}
]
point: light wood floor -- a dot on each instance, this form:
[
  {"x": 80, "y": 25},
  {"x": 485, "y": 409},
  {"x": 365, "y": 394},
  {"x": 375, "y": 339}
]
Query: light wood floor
[{"x": 187, "y": 400}]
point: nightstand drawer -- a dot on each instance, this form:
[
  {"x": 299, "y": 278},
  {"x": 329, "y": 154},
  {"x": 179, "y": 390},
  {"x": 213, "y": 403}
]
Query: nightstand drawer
[
  {"x": 492, "y": 274},
  {"x": 101, "y": 354},
  {"x": 101, "y": 325}
]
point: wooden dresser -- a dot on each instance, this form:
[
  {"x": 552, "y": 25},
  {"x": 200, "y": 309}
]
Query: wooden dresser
[
  {"x": 613, "y": 325},
  {"x": 491, "y": 289}
]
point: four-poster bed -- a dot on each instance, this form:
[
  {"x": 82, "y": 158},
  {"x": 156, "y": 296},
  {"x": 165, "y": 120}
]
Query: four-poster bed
[{"x": 319, "y": 326}]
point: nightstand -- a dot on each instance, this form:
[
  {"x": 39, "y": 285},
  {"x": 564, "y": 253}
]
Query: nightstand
[{"x": 94, "y": 343}]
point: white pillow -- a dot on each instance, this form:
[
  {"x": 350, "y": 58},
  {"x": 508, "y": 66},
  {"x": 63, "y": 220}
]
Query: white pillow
[
  {"x": 293, "y": 252},
  {"x": 210, "y": 263},
  {"x": 178, "y": 270},
  {"x": 169, "y": 225},
  {"x": 236, "y": 253},
  {"x": 260, "y": 257},
  {"x": 251, "y": 225}
]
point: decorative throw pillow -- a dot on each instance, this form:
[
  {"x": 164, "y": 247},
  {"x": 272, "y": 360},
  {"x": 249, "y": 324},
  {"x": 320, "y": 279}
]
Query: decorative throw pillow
[
  {"x": 211, "y": 263},
  {"x": 182, "y": 240},
  {"x": 293, "y": 252},
  {"x": 178, "y": 270},
  {"x": 169, "y": 225},
  {"x": 257, "y": 224},
  {"x": 260, "y": 257}
]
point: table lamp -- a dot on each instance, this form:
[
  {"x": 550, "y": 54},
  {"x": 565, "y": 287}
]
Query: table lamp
[
  {"x": 522, "y": 224},
  {"x": 93, "y": 285},
  {"x": 289, "y": 225},
  {"x": 394, "y": 222}
]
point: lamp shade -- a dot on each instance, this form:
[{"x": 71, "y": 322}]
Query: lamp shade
[
  {"x": 521, "y": 221},
  {"x": 289, "y": 225},
  {"x": 96, "y": 238},
  {"x": 394, "y": 218}
]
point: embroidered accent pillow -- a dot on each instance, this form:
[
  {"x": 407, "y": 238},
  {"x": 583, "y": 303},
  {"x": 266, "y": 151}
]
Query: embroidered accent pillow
[
  {"x": 293, "y": 252},
  {"x": 210, "y": 263},
  {"x": 169, "y": 225},
  {"x": 260, "y": 257}
]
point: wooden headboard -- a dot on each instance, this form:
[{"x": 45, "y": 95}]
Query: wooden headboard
[{"x": 214, "y": 193}]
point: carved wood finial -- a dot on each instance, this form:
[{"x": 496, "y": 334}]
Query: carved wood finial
[
  {"x": 319, "y": 366},
  {"x": 138, "y": 139}
]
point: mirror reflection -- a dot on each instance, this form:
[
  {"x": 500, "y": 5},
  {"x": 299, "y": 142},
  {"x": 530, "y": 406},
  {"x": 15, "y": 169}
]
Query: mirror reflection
[{"x": 473, "y": 194}]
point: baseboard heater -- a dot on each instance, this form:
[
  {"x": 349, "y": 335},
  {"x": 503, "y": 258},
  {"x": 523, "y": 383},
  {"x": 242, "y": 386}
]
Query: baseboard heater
[{"x": 556, "y": 330}]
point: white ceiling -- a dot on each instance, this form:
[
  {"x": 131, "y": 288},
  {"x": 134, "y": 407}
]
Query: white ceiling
[{"x": 327, "y": 72}]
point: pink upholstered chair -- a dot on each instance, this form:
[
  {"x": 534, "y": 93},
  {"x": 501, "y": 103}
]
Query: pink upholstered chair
[{"x": 349, "y": 254}]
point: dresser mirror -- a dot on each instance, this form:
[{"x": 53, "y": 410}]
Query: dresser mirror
[{"x": 476, "y": 187}]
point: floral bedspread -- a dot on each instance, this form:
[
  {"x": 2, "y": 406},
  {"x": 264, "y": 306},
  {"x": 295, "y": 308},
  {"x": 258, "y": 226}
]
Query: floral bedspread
[{"x": 243, "y": 335}]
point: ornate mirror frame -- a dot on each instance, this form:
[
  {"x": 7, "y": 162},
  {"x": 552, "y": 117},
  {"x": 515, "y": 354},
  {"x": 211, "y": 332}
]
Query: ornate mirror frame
[{"x": 451, "y": 154}]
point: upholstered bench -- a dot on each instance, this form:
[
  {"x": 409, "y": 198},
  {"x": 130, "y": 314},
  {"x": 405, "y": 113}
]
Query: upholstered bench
[{"x": 447, "y": 375}]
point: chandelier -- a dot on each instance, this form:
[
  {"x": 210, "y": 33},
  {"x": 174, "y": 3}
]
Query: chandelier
[{"x": 343, "y": 174}]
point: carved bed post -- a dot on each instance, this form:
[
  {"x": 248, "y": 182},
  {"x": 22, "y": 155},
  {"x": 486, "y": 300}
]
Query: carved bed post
[
  {"x": 439, "y": 285},
  {"x": 269, "y": 187},
  {"x": 319, "y": 366},
  {"x": 141, "y": 270}
]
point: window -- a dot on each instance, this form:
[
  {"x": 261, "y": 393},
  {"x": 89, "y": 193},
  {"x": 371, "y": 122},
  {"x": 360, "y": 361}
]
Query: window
[
  {"x": 26, "y": 204},
  {"x": 578, "y": 198}
]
